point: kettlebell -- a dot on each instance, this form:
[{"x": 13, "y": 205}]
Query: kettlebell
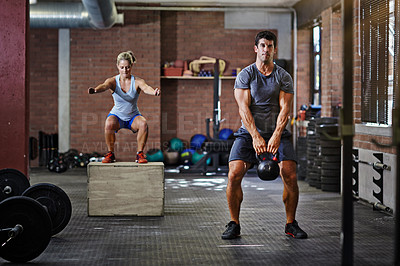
[{"x": 268, "y": 169}]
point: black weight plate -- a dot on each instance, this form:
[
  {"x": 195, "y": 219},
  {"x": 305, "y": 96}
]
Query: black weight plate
[
  {"x": 331, "y": 151},
  {"x": 331, "y": 166},
  {"x": 36, "y": 225},
  {"x": 56, "y": 201},
  {"x": 331, "y": 173},
  {"x": 331, "y": 158},
  {"x": 330, "y": 188},
  {"x": 330, "y": 144},
  {"x": 12, "y": 183},
  {"x": 327, "y": 180}
]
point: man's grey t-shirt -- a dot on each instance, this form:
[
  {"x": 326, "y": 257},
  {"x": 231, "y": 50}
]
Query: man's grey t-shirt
[{"x": 264, "y": 94}]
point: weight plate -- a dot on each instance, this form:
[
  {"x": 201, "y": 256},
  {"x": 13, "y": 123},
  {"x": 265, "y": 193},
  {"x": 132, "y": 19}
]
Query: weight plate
[
  {"x": 330, "y": 188},
  {"x": 36, "y": 225},
  {"x": 12, "y": 183},
  {"x": 331, "y": 151},
  {"x": 55, "y": 200},
  {"x": 331, "y": 166},
  {"x": 331, "y": 158},
  {"x": 327, "y": 180},
  {"x": 330, "y": 144},
  {"x": 331, "y": 173}
]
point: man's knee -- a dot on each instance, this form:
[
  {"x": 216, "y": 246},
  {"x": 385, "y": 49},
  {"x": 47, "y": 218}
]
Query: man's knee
[
  {"x": 288, "y": 173},
  {"x": 237, "y": 169}
]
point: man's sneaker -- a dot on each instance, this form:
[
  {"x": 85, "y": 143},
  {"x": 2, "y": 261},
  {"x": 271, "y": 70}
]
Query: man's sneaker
[
  {"x": 232, "y": 231},
  {"x": 295, "y": 231},
  {"x": 109, "y": 158},
  {"x": 140, "y": 157}
]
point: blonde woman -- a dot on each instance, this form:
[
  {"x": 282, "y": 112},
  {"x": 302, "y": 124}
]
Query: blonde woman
[{"x": 125, "y": 114}]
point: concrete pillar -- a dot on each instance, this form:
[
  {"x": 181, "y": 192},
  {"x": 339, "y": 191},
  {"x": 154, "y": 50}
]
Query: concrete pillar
[
  {"x": 63, "y": 90},
  {"x": 14, "y": 82}
]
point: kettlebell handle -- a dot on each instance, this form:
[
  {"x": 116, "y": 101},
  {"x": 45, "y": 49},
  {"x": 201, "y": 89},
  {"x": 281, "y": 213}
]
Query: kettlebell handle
[{"x": 274, "y": 158}]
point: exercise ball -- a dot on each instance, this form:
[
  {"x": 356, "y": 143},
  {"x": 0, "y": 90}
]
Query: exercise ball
[
  {"x": 171, "y": 157},
  {"x": 198, "y": 155},
  {"x": 186, "y": 156},
  {"x": 175, "y": 144},
  {"x": 197, "y": 141},
  {"x": 155, "y": 155},
  {"x": 225, "y": 133}
]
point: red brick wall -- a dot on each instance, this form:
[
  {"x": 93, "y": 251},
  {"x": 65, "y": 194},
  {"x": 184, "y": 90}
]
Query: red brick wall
[
  {"x": 304, "y": 37},
  {"x": 331, "y": 62},
  {"x": 362, "y": 140},
  {"x": 43, "y": 59},
  {"x": 188, "y": 36},
  {"x": 93, "y": 59},
  {"x": 154, "y": 37}
]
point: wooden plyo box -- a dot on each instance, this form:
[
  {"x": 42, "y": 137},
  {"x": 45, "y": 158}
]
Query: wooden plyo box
[{"x": 125, "y": 189}]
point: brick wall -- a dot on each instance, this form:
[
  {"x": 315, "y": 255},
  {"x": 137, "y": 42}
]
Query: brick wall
[
  {"x": 304, "y": 37},
  {"x": 43, "y": 59},
  {"x": 188, "y": 36},
  {"x": 362, "y": 141},
  {"x": 154, "y": 37},
  {"x": 331, "y": 62},
  {"x": 93, "y": 59}
]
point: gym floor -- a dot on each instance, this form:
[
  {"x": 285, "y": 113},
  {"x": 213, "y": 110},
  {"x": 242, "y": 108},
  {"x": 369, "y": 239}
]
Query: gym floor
[{"x": 195, "y": 216}]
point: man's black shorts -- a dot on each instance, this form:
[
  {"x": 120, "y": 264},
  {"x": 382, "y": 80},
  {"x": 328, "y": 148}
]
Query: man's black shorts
[{"x": 242, "y": 148}]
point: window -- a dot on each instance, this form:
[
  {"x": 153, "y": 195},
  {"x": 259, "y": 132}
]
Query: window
[
  {"x": 377, "y": 61},
  {"x": 316, "y": 66}
]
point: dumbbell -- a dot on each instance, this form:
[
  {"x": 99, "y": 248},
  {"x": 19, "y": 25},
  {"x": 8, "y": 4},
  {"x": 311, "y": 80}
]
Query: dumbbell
[{"x": 268, "y": 168}]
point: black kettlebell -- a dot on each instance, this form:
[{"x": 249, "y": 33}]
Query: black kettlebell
[{"x": 268, "y": 169}]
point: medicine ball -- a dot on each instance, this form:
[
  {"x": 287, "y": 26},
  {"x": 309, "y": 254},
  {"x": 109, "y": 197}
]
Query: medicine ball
[
  {"x": 186, "y": 156},
  {"x": 155, "y": 155},
  {"x": 197, "y": 141},
  {"x": 225, "y": 134},
  {"x": 171, "y": 157},
  {"x": 175, "y": 144}
]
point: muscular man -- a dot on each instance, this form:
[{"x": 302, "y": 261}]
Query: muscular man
[{"x": 264, "y": 94}]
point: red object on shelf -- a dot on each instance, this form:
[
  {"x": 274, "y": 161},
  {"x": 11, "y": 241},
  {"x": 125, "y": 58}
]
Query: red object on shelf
[{"x": 173, "y": 71}]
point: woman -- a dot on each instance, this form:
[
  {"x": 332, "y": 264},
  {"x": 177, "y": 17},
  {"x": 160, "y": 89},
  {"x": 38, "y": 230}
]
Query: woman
[{"x": 125, "y": 113}]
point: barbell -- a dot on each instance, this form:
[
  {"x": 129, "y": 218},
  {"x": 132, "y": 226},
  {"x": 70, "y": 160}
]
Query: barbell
[{"x": 29, "y": 218}]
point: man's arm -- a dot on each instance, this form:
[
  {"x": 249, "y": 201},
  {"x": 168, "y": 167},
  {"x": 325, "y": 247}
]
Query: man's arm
[
  {"x": 109, "y": 84},
  {"x": 146, "y": 88},
  {"x": 285, "y": 103},
  {"x": 243, "y": 99}
]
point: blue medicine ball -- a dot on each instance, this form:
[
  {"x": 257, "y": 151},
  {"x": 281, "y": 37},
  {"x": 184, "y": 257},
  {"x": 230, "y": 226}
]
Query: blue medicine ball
[
  {"x": 197, "y": 141},
  {"x": 186, "y": 156},
  {"x": 225, "y": 133}
]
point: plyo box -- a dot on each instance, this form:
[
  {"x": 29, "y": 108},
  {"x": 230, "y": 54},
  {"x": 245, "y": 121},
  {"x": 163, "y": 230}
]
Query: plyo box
[{"x": 125, "y": 189}]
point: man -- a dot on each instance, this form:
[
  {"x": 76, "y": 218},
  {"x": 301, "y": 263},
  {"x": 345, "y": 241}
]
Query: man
[{"x": 264, "y": 94}]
